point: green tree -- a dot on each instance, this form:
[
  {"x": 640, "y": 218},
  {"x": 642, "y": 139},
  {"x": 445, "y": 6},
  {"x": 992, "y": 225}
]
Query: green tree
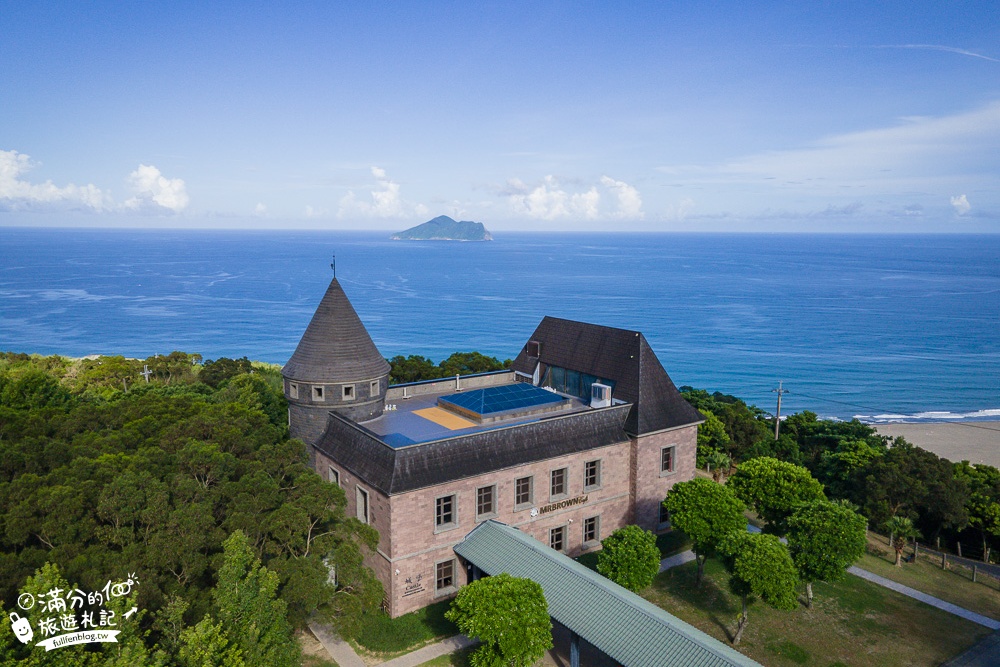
[
  {"x": 900, "y": 529},
  {"x": 413, "y": 368},
  {"x": 249, "y": 608},
  {"x": 208, "y": 645},
  {"x": 983, "y": 505},
  {"x": 214, "y": 373},
  {"x": 706, "y": 512},
  {"x": 759, "y": 566},
  {"x": 508, "y": 615},
  {"x": 713, "y": 441},
  {"x": 745, "y": 425},
  {"x": 28, "y": 387},
  {"x": 48, "y": 579},
  {"x": 824, "y": 539},
  {"x": 256, "y": 393},
  {"x": 838, "y": 467},
  {"x": 773, "y": 488},
  {"x": 910, "y": 481},
  {"x": 629, "y": 557},
  {"x": 468, "y": 363}
]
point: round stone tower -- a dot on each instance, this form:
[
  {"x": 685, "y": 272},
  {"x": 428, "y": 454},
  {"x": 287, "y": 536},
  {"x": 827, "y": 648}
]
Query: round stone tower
[{"x": 337, "y": 367}]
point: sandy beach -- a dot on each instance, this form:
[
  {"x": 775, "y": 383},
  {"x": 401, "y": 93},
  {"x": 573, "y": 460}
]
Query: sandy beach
[{"x": 976, "y": 442}]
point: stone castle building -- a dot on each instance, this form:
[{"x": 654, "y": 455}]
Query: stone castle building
[{"x": 586, "y": 433}]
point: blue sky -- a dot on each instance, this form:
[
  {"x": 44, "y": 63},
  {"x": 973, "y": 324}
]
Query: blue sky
[{"x": 661, "y": 116}]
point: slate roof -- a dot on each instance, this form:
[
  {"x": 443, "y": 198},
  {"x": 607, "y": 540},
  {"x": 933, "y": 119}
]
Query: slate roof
[
  {"x": 335, "y": 346},
  {"x": 397, "y": 470},
  {"x": 616, "y": 354},
  {"x": 629, "y": 629}
]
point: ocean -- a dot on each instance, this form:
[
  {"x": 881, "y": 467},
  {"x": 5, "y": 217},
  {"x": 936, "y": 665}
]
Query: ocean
[{"x": 884, "y": 328}]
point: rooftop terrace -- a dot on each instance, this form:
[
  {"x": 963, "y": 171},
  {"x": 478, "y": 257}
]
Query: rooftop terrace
[{"x": 472, "y": 404}]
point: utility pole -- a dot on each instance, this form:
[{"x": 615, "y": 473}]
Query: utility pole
[
  {"x": 146, "y": 372},
  {"x": 777, "y": 415}
]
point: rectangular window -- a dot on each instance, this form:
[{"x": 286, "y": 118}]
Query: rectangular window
[
  {"x": 318, "y": 393},
  {"x": 444, "y": 575},
  {"x": 348, "y": 392},
  {"x": 362, "y": 509},
  {"x": 557, "y": 538},
  {"x": 334, "y": 476},
  {"x": 373, "y": 389},
  {"x": 444, "y": 513},
  {"x": 664, "y": 516},
  {"x": 522, "y": 492},
  {"x": 486, "y": 502},
  {"x": 558, "y": 486},
  {"x": 592, "y": 529},
  {"x": 591, "y": 475},
  {"x": 667, "y": 460},
  {"x": 293, "y": 390}
]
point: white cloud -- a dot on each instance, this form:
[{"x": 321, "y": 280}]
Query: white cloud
[
  {"x": 152, "y": 191},
  {"x": 925, "y": 155},
  {"x": 961, "y": 204},
  {"x": 629, "y": 201},
  {"x": 18, "y": 193},
  {"x": 550, "y": 200},
  {"x": 386, "y": 201},
  {"x": 260, "y": 210}
]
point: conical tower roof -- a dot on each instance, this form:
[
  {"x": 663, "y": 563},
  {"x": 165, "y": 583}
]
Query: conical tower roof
[{"x": 335, "y": 347}]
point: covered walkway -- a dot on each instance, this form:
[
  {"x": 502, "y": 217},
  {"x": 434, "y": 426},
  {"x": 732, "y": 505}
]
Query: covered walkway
[{"x": 624, "y": 626}]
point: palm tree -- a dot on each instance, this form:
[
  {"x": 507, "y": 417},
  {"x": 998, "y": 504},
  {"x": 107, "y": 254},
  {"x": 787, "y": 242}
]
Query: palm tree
[
  {"x": 900, "y": 528},
  {"x": 719, "y": 463}
]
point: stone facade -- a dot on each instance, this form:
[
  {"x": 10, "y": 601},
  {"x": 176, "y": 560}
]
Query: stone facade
[
  {"x": 651, "y": 481},
  {"x": 309, "y": 403},
  {"x": 411, "y": 546}
]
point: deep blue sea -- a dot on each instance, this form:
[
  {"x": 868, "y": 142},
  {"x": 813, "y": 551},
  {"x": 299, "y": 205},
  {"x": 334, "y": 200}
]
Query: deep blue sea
[{"x": 882, "y": 327}]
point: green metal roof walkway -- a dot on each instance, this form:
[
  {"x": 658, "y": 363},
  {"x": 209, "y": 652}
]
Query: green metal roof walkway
[{"x": 627, "y": 628}]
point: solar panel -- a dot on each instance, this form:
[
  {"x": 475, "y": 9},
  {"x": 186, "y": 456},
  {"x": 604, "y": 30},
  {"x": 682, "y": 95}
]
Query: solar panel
[{"x": 505, "y": 398}]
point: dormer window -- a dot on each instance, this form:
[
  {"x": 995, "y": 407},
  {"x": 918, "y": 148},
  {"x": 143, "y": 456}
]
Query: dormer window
[
  {"x": 318, "y": 393},
  {"x": 534, "y": 349}
]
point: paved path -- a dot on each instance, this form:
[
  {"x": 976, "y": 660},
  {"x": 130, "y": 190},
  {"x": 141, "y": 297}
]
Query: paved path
[
  {"x": 923, "y": 597},
  {"x": 341, "y": 652},
  {"x": 688, "y": 556},
  {"x": 345, "y": 656},
  {"x": 420, "y": 656},
  {"x": 676, "y": 559}
]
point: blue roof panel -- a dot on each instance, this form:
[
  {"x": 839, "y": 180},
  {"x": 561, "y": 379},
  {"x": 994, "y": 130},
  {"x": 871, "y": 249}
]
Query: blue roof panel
[{"x": 503, "y": 398}]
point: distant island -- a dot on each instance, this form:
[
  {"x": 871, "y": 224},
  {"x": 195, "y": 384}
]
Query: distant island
[{"x": 443, "y": 228}]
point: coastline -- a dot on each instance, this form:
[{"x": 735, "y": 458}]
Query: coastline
[{"x": 972, "y": 441}]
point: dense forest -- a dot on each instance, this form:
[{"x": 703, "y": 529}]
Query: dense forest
[
  {"x": 884, "y": 478},
  {"x": 107, "y": 473}
]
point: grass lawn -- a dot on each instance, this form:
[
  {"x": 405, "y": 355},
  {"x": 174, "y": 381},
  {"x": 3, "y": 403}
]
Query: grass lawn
[
  {"x": 953, "y": 585},
  {"x": 384, "y": 637},
  {"x": 852, "y": 623}
]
